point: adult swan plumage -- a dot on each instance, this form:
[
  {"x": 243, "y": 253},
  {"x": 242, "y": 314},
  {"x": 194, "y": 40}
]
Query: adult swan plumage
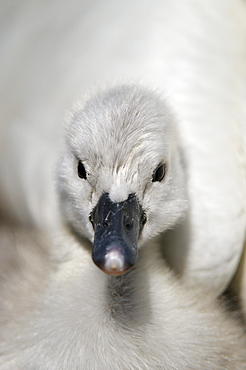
[{"x": 121, "y": 182}]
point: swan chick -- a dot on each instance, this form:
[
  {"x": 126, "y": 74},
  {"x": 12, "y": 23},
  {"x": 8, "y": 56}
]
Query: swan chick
[{"x": 124, "y": 182}]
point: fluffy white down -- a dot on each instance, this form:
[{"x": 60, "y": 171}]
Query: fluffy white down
[{"x": 73, "y": 316}]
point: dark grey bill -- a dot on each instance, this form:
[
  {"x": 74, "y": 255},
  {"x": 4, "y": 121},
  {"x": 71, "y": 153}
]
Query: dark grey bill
[{"x": 117, "y": 228}]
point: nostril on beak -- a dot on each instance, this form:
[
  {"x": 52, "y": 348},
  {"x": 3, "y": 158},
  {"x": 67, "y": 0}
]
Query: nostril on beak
[
  {"x": 128, "y": 222},
  {"x": 107, "y": 220}
]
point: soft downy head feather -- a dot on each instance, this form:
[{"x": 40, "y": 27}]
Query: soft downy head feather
[{"x": 121, "y": 137}]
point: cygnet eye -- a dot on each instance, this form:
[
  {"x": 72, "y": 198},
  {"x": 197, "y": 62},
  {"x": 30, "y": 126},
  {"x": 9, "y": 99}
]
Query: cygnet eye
[
  {"x": 81, "y": 170},
  {"x": 159, "y": 172}
]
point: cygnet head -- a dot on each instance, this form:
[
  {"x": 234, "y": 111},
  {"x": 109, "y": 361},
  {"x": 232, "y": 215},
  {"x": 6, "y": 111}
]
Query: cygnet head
[{"x": 120, "y": 179}]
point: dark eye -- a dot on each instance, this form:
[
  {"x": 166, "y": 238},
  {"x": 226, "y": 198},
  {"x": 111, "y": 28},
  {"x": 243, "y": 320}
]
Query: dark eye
[
  {"x": 159, "y": 173},
  {"x": 81, "y": 170}
]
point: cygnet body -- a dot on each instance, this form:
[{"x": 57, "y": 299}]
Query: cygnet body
[{"x": 121, "y": 153}]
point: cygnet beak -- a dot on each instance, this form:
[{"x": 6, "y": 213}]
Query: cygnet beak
[{"x": 117, "y": 228}]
